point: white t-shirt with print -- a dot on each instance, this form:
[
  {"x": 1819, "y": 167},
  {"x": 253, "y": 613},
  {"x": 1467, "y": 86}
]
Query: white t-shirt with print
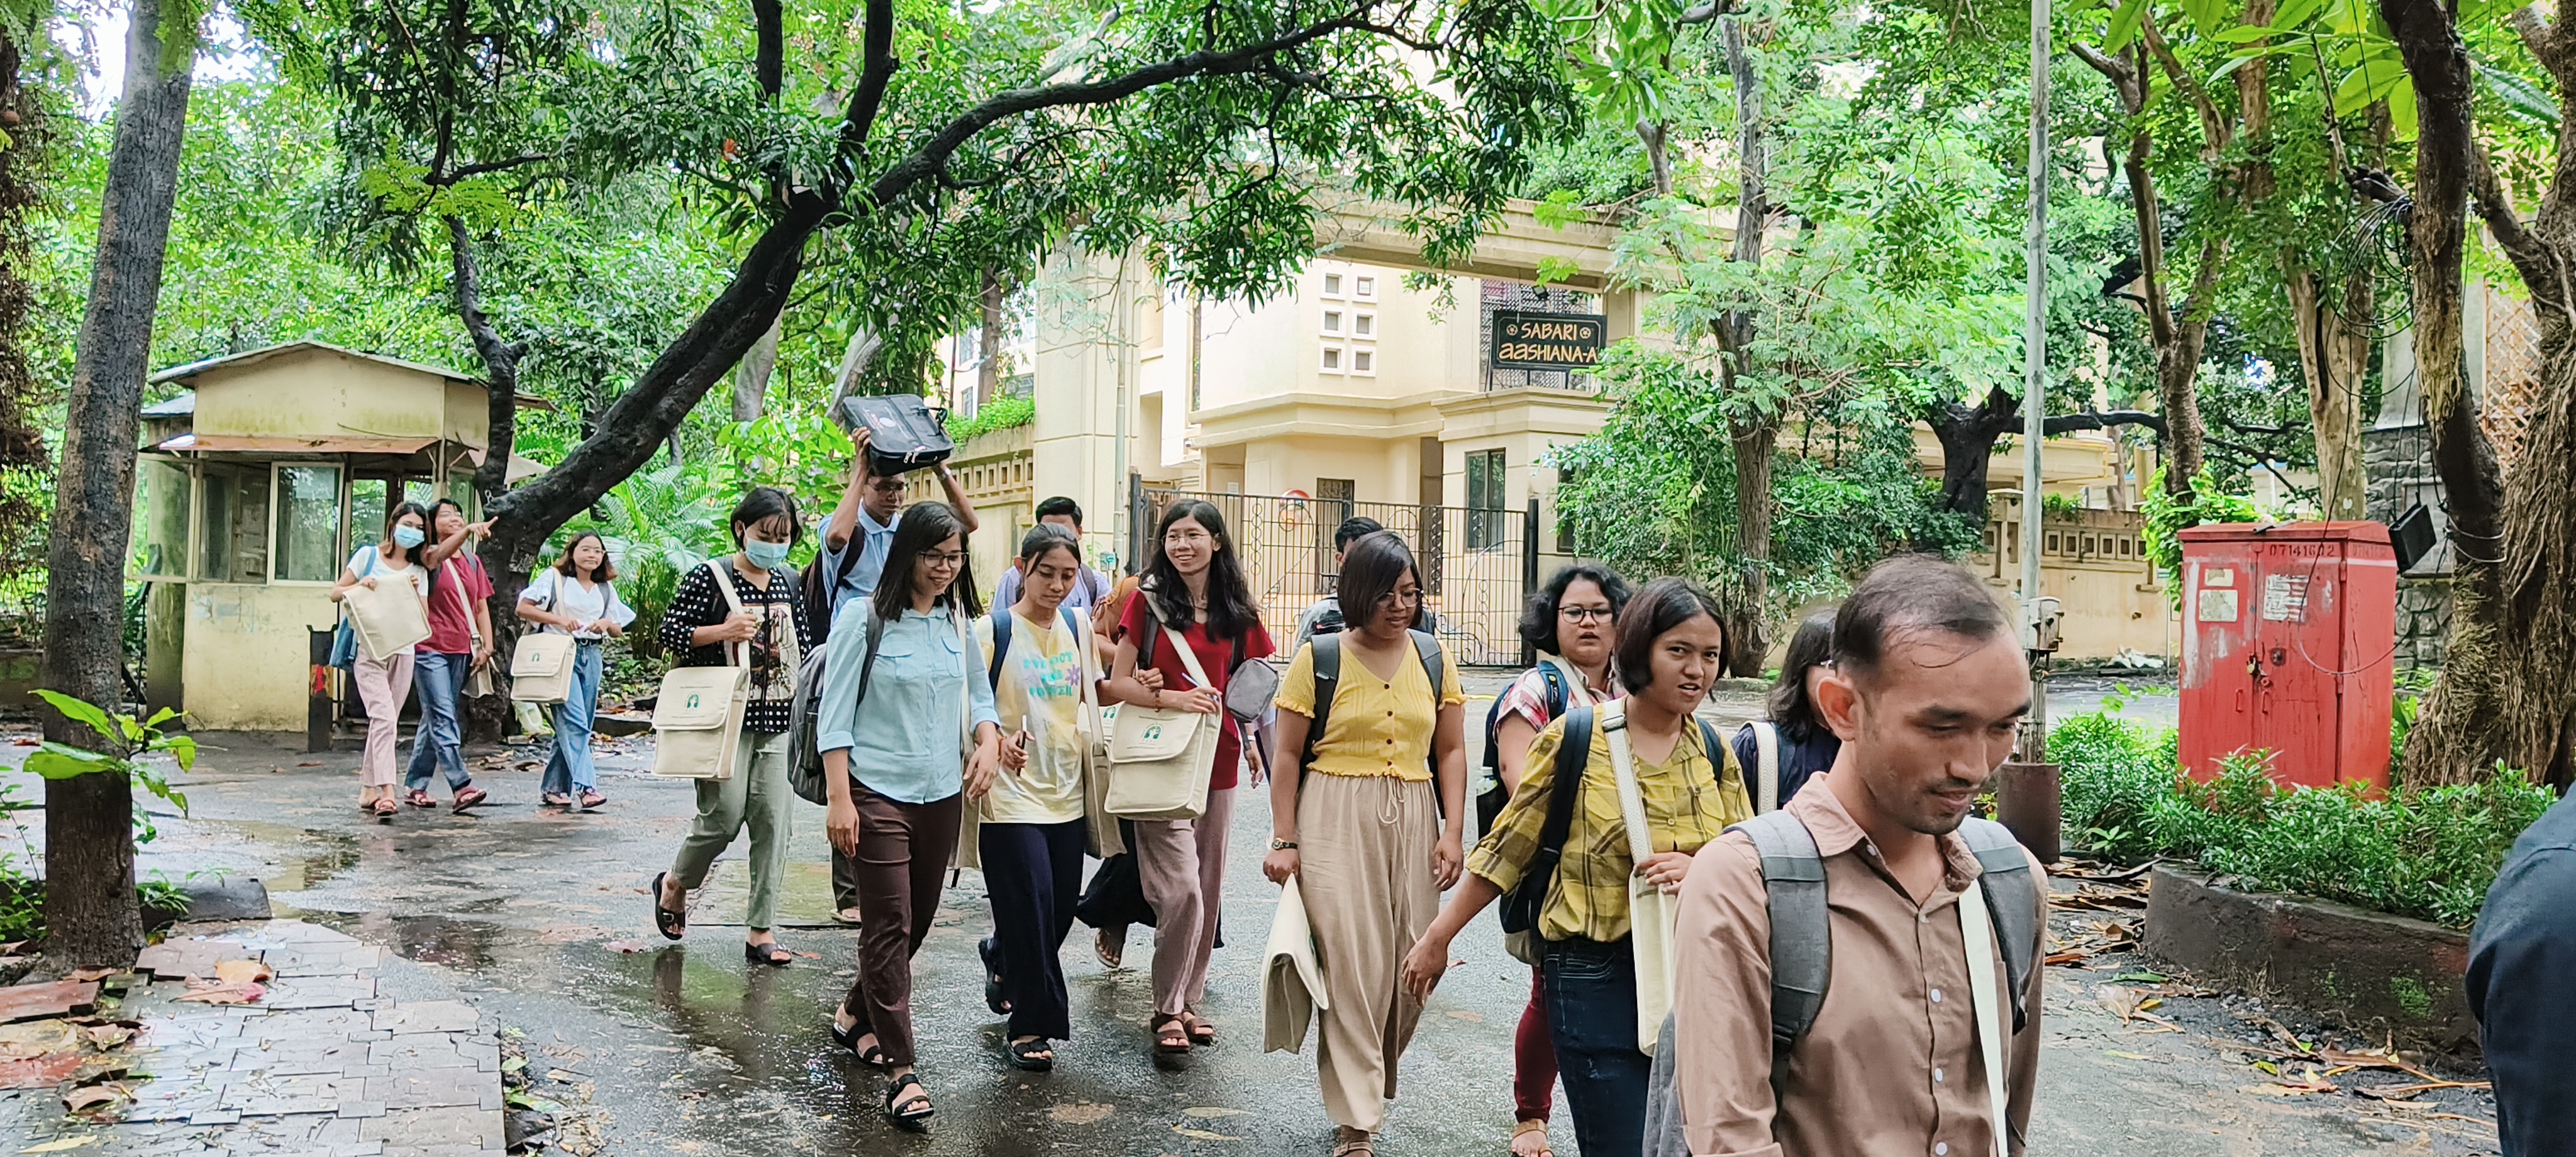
[{"x": 1040, "y": 689}]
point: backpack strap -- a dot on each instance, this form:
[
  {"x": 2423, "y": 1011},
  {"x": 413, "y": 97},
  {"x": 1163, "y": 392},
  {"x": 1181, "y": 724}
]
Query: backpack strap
[
  {"x": 1001, "y": 647},
  {"x": 1793, "y": 881},
  {"x": 1573, "y": 755},
  {"x": 1436, "y": 666},
  {"x": 1766, "y": 759},
  {"x": 868, "y": 665},
  {"x": 2012, "y": 901},
  {"x": 1709, "y": 746},
  {"x": 1327, "y": 662}
]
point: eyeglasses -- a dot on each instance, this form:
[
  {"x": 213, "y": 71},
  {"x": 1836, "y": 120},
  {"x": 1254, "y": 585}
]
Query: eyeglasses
[
  {"x": 889, "y": 485},
  {"x": 1399, "y": 598},
  {"x": 943, "y": 557},
  {"x": 1587, "y": 614}
]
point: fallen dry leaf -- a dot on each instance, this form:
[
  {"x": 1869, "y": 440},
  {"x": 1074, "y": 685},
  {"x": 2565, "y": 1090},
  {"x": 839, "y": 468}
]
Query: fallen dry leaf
[
  {"x": 107, "y": 1036},
  {"x": 227, "y": 994},
  {"x": 93, "y": 973},
  {"x": 241, "y": 972},
  {"x": 86, "y": 1096},
  {"x": 60, "y": 1144}
]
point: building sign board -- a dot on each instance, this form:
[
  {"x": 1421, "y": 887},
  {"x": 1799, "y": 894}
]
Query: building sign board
[{"x": 1546, "y": 341}]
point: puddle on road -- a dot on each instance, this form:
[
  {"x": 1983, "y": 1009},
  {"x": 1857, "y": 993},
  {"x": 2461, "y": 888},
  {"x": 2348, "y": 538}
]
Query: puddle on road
[{"x": 294, "y": 859}]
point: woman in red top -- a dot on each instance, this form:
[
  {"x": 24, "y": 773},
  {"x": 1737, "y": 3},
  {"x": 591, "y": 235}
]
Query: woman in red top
[{"x": 1193, "y": 585}]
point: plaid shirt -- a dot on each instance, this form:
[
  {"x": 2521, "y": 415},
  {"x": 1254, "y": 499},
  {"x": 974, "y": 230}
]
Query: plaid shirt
[{"x": 1686, "y": 803}]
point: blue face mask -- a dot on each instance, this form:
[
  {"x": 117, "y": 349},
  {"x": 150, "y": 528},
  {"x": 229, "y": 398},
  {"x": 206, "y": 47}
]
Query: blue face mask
[
  {"x": 765, "y": 555},
  {"x": 408, "y": 537}
]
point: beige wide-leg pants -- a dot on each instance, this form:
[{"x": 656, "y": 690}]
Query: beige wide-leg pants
[{"x": 1365, "y": 848}]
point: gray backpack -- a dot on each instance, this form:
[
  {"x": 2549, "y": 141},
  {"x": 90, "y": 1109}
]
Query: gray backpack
[
  {"x": 804, "y": 761},
  {"x": 1793, "y": 877}
]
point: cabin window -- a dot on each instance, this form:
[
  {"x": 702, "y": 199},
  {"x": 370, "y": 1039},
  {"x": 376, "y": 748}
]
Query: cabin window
[
  {"x": 308, "y": 523},
  {"x": 232, "y": 524}
]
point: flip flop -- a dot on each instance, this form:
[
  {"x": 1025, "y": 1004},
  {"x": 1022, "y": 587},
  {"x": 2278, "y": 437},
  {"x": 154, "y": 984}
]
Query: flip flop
[
  {"x": 673, "y": 925},
  {"x": 420, "y": 798},
  {"x": 591, "y": 800},
  {"x": 467, "y": 797},
  {"x": 385, "y": 808}
]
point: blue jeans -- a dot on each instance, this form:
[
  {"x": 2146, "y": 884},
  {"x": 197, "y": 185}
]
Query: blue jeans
[
  {"x": 1592, "y": 1014},
  {"x": 440, "y": 740},
  {"x": 569, "y": 770}
]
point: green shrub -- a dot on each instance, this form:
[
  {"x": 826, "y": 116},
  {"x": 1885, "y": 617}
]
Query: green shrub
[{"x": 2427, "y": 853}]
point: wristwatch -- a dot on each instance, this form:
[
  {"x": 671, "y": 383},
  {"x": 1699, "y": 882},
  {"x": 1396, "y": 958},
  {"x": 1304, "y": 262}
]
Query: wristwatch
[{"x": 1280, "y": 845}]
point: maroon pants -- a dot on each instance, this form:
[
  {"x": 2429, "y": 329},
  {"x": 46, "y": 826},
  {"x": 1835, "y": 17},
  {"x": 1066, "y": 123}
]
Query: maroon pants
[
  {"x": 903, "y": 852},
  {"x": 1533, "y": 1058}
]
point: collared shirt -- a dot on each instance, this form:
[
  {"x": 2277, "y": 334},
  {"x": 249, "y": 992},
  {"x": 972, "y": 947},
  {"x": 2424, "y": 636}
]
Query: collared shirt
[
  {"x": 2522, "y": 985},
  {"x": 1891, "y": 1064},
  {"x": 873, "y": 542},
  {"x": 1377, "y": 727},
  {"x": 906, "y": 741},
  {"x": 1089, "y": 591},
  {"x": 1688, "y": 802}
]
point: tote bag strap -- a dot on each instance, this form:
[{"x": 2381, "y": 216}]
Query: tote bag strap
[
  {"x": 1994, "y": 1017},
  {"x": 1766, "y": 759},
  {"x": 1189, "y": 656},
  {"x": 966, "y": 666},
  {"x": 1079, "y": 621},
  {"x": 738, "y": 653},
  {"x": 1623, "y": 768}
]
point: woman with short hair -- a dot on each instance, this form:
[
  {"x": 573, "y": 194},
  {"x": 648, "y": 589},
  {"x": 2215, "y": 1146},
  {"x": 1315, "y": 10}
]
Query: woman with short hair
[{"x": 766, "y": 617}]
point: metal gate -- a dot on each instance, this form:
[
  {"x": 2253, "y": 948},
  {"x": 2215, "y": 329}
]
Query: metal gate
[{"x": 1478, "y": 565}]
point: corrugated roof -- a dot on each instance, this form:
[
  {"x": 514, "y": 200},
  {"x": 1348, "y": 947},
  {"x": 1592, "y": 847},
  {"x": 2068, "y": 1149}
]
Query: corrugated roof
[
  {"x": 254, "y": 357},
  {"x": 240, "y": 444}
]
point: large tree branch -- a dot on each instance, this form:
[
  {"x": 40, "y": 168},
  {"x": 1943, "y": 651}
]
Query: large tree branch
[
  {"x": 904, "y": 174},
  {"x": 500, "y": 364},
  {"x": 2057, "y": 424},
  {"x": 1706, "y": 11},
  {"x": 2547, "y": 42},
  {"x": 2532, "y": 259},
  {"x": 877, "y": 65},
  {"x": 769, "y": 59},
  {"x": 2124, "y": 79},
  {"x": 2213, "y": 125},
  {"x": 480, "y": 168}
]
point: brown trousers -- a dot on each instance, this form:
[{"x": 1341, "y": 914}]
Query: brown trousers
[
  {"x": 1365, "y": 871},
  {"x": 903, "y": 852},
  {"x": 1181, "y": 864}
]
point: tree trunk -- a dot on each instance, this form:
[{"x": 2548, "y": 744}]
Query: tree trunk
[
  {"x": 500, "y": 366},
  {"x": 751, "y": 378},
  {"x": 988, "y": 353},
  {"x": 91, "y": 917},
  {"x": 2505, "y": 690},
  {"x": 2334, "y": 354},
  {"x": 1755, "y": 435}
]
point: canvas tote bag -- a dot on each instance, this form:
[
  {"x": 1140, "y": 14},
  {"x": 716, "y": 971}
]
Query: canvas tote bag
[
  {"x": 1160, "y": 758},
  {"x": 1651, "y": 913},
  {"x": 389, "y": 617},
  {"x": 541, "y": 665},
  {"x": 697, "y": 719}
]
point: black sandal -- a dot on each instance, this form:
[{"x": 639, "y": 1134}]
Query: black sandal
[
  {"x": 848, "y": 1038},
  {"x": 773, "y": 954},
  {"x": 1171, "y": 1036},
  {"x": 907, "y": 1111},
  {"x": 672, "y": 924},
  {"x": 993, "y": 998},
  {"x": 1025, "y": 1055}
]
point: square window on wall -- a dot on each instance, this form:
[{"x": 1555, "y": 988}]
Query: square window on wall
[
  {"x": 1363, "y": 325},
  {"x": 1332, "y": 285},
  {"x": 1332, "y": 321},
  {"x": 1364, "y": 288},
  {"x": 1364, "y": 361},
  {"x": 1332, "y": 363}
]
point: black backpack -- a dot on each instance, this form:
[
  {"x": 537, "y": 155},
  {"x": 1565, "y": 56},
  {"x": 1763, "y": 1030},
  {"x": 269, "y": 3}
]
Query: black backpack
[
  {"x": 1521, "y": 906},
  {"x": 903, "y": 432},
  {"x": 1490, "y": 804}
]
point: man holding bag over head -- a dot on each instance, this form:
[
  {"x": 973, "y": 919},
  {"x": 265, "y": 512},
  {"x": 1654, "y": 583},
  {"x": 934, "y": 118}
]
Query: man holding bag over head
[{"x": 1649, "y": 778}]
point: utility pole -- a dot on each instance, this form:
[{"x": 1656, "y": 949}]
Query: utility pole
[{"x": 2028, "y": 787}]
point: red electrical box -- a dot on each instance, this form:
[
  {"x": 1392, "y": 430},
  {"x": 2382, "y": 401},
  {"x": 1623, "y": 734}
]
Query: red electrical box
[{"x": 2289, "y": 644}]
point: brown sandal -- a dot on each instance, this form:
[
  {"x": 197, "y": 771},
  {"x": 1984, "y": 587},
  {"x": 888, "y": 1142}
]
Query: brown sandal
[
  {"x": 1519, "y": 1128},
  {"x": 1202, "y": 1033},
  {"x": 1171, "y": 1035}
]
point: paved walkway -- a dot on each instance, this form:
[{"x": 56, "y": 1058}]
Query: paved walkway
[{"x": 324, "y": 1063}]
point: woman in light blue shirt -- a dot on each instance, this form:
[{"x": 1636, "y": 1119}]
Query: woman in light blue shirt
[{"x": 899, "y": 777}]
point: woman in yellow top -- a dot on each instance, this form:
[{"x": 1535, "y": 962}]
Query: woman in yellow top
[
  {"x": 1669, "y": 655},
  {"x": 1370, "y": 846}
]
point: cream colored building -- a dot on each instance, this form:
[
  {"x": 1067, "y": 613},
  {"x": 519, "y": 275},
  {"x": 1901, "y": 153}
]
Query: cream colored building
[{"x": 1350, "y": 386}]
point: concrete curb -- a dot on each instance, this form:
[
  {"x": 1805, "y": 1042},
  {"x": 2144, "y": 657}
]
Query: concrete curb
[{"x": 2366, "y": 971}]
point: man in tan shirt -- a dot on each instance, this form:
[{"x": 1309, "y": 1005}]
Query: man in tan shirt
[{"x": 1928, "y": 688}]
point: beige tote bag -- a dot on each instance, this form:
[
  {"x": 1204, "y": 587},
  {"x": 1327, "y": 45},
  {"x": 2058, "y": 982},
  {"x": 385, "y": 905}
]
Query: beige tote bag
[
  {"x": 1160, "y": 758},
  {"x": 389, "y": 617},
  {"x": 697, "y": 719},
  {"x": 541, "y": 668},
  {"x": 1651, "y": 912}
]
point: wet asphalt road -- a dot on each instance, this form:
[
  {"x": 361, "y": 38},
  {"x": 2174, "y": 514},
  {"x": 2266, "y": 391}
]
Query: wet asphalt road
[{"x": 541, "y": 917}]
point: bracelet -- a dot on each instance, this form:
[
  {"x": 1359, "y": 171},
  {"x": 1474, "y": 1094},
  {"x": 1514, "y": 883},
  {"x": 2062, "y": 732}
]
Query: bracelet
[{"x": 1280, "y": 845}]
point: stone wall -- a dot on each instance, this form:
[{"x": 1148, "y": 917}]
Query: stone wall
[{"x": 2396, "y": 460}]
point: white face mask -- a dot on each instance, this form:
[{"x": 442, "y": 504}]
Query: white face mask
[{"x": 408, "y": 537}]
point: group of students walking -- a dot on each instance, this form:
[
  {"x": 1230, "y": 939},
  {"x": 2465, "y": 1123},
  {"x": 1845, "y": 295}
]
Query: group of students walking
[{"x": 1681, "y": 985}]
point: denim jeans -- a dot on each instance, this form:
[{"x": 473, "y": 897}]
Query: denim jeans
[
  {"x": 569, "y": 770},
  {"x": 1592, "y": 1010},
  {"x": 439, "y": 740}
]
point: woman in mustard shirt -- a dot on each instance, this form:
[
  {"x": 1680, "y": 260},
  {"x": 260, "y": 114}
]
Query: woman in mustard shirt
[{"x": 1358, "y": 824}]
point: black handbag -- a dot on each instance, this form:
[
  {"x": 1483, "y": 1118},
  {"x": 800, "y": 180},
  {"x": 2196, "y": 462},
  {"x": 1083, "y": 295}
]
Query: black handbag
[{"x": 904, "y": 433}]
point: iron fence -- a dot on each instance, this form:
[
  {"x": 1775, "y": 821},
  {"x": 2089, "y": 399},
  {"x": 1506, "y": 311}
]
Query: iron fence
[{"x": 1477, "y": 564}]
